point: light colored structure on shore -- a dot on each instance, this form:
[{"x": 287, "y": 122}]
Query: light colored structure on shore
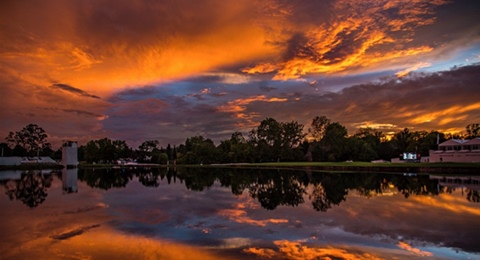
[
  {"x": 456, "y": 150},
  {"x": 70, "y": 154},
  {"x": 16, "y": 160}
]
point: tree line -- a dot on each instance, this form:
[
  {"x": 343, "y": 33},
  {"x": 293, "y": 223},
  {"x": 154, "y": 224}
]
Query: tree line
[{"x": 270, "y": 141}]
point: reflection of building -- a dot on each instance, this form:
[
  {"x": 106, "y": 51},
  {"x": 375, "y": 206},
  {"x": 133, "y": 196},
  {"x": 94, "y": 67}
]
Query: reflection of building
[
  {"x": 469, "y": 182},
  {"x": 69, "y": 154},
  {"x": 69, "y": 180},
  {"x": 455, "y": 150}
]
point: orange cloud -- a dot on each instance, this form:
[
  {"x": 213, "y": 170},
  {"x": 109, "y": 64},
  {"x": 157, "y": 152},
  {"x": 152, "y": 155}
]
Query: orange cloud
[
  {"x": 239, "y": 106},
  {"x": 444, "y": 116},
  {"x": 417, "y": 66},
  {"x": 354, "y": 41},
  {"x": 295, "y": 250},
  {"x": 447, "y": 202},
  {"x": 416, "y": 251},
  {"x": 103, "y": 242},
  {"x": 370, "y": 124},
  {"x": 239, "y": 213},
  {"x": 240, "y": 216},
  {"x": 97, "y": 48}
]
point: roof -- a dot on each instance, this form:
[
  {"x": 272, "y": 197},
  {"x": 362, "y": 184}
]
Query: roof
[
  {"x": 473, "y": 141},
  {"x": 453, "y": 142}
]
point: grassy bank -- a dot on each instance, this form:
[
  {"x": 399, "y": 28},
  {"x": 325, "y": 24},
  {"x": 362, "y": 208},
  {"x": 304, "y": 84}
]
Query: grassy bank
[
  {"x": 427, "y": 168},
  {"x": 468, "y": 168},
  {"x": 368, "y": 164}
]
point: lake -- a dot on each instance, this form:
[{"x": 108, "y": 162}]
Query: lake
[{"x": 212, "y": 213}]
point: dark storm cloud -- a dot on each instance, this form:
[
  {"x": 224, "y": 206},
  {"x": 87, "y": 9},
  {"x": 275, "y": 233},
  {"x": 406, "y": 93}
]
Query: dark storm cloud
[
  {"x": 444, "y": 101},
  {"x": 266, "y": 88},
  {"x": 218, "y": 94},
  {"x": 355, "y": 36},
  {"x": 73, "y": 90},
  {"x": 170, "y": 120},
  {"x": 82, "y": 112},
  {"x": 52, "y": 108}
]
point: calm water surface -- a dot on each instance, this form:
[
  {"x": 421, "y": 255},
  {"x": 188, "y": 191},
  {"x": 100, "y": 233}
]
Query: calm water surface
[{"x": 197, "y": 213}]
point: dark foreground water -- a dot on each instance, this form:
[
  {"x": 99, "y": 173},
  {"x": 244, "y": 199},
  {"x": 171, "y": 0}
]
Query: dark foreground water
[{"x": 198, "y": 213}]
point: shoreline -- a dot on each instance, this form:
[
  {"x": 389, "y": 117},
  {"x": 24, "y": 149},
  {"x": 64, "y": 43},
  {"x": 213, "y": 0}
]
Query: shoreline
[{"x": 409, "y": 168}]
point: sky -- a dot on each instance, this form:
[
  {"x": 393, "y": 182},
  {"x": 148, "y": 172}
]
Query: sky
[{"x": 172, "y": 69}]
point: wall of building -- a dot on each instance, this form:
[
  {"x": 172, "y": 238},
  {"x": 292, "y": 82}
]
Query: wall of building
[
  {"x": 10, "y": 161},
  {"x": 455, "y": 156}
]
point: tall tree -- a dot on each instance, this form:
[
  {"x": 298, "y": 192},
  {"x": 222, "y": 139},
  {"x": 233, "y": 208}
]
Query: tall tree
[
  {"x": 275, "y": 140},
  {"x": 199, "y": 150},
  {"x": 266, "y": 139},
  {"x": 402, "y": 141},
  {"x": 105, "y": 150},
  {"x": 473, "y": 130},
  {"x": 146, "y": 149},
  {"x": 169, "y": 152},
  {"x": 292, "y": 136},
  {"x": 32, "y": 139},
  {"x": 334, "y": 142},
  {"x": 317, "y": 127}
]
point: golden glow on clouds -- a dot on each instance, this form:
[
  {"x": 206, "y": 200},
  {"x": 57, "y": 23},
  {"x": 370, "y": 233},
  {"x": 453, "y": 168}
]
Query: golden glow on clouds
[
  {"x": 67, "y": 47},
  {"x": 444, "y": 116},
  {"x": 352, "y": 41},
  {"x": 417, "y": 66},
  {"x": 447, "y": 202},
  {"x": 239, "y": 106},
  {"x": 370, "y": 124},
  {"x": 101, "y": 61},
  {"x": 416, "y": 251},
  {"x": 239, "y": 214},
  {"x": 297, "y": 251},
  {"x": 103, "y": 243}
]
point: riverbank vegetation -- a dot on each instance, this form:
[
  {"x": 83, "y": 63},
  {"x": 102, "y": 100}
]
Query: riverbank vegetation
[{"x": 270, "y": 142}]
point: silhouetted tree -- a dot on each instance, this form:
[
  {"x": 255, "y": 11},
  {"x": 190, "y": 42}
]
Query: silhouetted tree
[
  {"x": 198, "y": 150},
  {"x": 473, "y": 130},
  {"x": 146, "y": 149},
  {"x": 105, "y": 150},
  {"x": 317, "y": 127},
  {"x": 334, "y": 142},
  {"x": 32, "y": 139}
]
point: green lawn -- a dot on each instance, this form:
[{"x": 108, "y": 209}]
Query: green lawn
[{"x": 366, "y": 164}]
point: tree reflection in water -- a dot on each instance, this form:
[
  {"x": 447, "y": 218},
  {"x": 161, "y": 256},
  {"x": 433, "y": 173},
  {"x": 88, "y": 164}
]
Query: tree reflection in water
[
  {"x": 106, "y": 178},
  {"x": 271, "y": 188},
  {"x": 31, "y": 189}
]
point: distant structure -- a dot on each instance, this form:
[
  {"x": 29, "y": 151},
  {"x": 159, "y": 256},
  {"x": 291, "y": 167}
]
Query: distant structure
[
  {"x": 16, "y": 160},
  {"x": 456, "y": 150},
  {"x": 70, "y": 154}
]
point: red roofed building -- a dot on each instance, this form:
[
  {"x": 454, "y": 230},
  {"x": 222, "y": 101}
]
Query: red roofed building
[{"x": 455, "y": 150}]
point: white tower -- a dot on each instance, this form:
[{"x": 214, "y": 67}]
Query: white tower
[{"x": 69, "y": 154}]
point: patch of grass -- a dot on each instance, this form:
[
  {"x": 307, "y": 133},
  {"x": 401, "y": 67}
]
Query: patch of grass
[{"x": 367, "y": 164}]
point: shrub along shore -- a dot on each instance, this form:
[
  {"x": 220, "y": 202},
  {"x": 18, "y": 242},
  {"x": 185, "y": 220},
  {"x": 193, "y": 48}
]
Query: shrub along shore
[{"x": 414, "y": 168}]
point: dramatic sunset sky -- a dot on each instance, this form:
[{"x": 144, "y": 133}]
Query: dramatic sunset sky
[{"x": 167, "y": 70}]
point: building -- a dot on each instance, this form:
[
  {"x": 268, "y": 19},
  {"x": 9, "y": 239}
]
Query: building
[
  {"x": 69, "y": 154},
  {"x": 16, "y": 161},
  {"x": 456, "y": 150}
]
